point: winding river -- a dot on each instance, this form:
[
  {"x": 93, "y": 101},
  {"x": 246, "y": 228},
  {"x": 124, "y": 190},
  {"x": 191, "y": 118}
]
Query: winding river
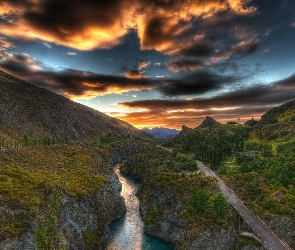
[{"x": 127, "y": 232}]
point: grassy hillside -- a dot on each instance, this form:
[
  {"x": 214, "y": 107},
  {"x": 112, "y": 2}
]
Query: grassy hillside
[
  {"x": 278, "y": 124},
  {"x": 26, "y": 110}
]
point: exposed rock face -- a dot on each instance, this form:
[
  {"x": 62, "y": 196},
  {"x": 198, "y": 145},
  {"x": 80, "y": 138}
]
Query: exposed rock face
[
  {"x": 284, "y": 227},
  {"x": 169, "y": 226},
  {"x": 90, "y": 214},
  {"x": 216, "y": 239},
  {"x": 80, "y": 214}
]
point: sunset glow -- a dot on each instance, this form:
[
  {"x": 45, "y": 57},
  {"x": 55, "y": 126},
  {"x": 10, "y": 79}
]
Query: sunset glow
[{"x": 155, "y": 63}]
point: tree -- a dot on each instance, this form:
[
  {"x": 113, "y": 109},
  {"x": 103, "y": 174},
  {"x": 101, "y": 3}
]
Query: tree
[
  {"x": 251, "y": 122},
  {"x": 220, "y": 204}
]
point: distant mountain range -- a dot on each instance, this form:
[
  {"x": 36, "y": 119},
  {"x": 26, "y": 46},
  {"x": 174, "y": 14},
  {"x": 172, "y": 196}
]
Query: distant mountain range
[
  {"x": 161, "y": 133},
  {"x": 27, "y": 110}
]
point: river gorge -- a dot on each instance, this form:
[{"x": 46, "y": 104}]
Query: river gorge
[{"x": 128, "y": 231}]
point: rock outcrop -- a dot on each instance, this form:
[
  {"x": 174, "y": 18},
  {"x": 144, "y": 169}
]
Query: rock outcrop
[{"x": 90, "y": 215}]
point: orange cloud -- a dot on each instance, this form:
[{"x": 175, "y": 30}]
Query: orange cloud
[
  {"x": 164, "y": 27},
  {"x": 158, "y": 32},
  {"x": 141, "y": 65},
  {"x": 88, "y": 24},
  {"x": 133, "y": 74},
  {"x": 191, "y": 118},
  {"x": 4, "y": 46}
]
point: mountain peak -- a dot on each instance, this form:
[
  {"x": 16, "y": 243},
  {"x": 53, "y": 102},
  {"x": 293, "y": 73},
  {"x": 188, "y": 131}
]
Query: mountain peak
[{"x": 208, "y": 122}]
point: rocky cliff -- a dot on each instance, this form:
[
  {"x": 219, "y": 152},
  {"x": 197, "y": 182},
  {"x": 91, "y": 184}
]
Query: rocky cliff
[
  {"x": 167, "y": 217},
  {"x": 284, "y": 227},
  {"x": 61, "y": 197},
  {"x": 82, "y": 223}
]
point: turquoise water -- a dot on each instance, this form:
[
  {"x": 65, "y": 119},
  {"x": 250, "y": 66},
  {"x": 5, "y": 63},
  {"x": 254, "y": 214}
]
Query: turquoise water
[{"x": 127, "y": 232}]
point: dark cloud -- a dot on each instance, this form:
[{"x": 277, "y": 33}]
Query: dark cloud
[
  {"x": 183, "y": 64},
  {"x": 288, "y": 83},
  {"x": 72, "y": 83},
  {"x": 196, "y": 83},
  {"x": 133, "y": 74},
  {"x": 239, "y": 105},
  {"x": 199, "y": 49},
  {"x": 78, "y": 24},
  {"x": 79, "y": 83},
  {"x": 256, "y": 96},
  {"x": 62, "y": 16},
  {"x": 159, "y": 32},
  {"x": 19, "y": 65},
  {"x": 10, "y": 4}
]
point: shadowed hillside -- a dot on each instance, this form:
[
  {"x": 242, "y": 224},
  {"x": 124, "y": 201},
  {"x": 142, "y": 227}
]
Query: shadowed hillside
[{"x": 26, "y": 110}]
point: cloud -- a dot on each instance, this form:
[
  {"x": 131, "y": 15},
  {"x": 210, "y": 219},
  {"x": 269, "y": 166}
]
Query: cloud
[
  {"x": 212, "y": 29},
  {"x": 21, "y": 64},
  {"x": 133, "y": 74},
  {"x": 83, "y": 25},
  {"x": 141, "y": 65},
  {"x": 4, "y": 46},
  {"x": 48, "y": 45},
  {"x": 243, "y": 103},
  {"x": 71, "y": 53},
  {"x": 196, "y": 83},
  {"x": 74, "y": 84},
  {"x": 79, "y": 84},
  {"x": 259, "y": 95},
  {"x": 182, "y": 27},
  {"x": 199, "y": 49},
  {"x": 183, "y": 64},
  {"x": 190, "y": 117}
]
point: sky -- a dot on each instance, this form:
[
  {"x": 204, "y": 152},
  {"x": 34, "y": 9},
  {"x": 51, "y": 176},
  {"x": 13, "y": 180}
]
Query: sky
[{"x": 155, "y": 63}]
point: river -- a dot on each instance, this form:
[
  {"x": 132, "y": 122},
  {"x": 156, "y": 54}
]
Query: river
[{"x": 127, "y": 232}]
